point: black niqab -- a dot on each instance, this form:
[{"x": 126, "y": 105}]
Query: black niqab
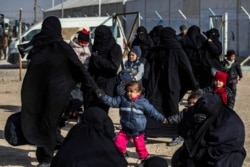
[
  {"x": 90, "y": 143},
  {"x": 156, "y": 161},
  {"x": 168, "y": 38},
  {"x": 103, "y": 39},
  {"x": 217, "y": 142}
]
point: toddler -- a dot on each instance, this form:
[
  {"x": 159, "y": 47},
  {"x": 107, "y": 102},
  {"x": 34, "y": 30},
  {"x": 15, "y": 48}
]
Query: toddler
[{"x": 133, "y": 108}]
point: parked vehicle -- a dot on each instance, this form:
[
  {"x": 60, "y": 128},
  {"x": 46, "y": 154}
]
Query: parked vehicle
[{"x": 69, "y": 27}]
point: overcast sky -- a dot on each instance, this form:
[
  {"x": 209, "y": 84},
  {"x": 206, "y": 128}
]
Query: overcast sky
[{"x": 10, "y": 8}]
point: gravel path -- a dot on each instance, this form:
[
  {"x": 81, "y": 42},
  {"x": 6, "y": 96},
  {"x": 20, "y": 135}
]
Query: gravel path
[{"x": 10, "y": 85}]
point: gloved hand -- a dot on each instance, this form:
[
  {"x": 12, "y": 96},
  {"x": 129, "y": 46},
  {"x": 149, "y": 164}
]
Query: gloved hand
[
  {"x": 199, "y": 118},
  {"x": 99, "y": 93}
]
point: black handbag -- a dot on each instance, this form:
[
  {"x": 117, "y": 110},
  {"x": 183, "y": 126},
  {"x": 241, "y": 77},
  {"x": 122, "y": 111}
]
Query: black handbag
[{"x": 13, "y": 131}]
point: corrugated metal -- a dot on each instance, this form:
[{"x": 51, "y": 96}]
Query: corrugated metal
[
  {"x": 81, "y": 3},
  {"x": 196, "y": 11}
]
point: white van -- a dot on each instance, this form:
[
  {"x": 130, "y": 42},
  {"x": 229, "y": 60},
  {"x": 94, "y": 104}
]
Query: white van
[{"x": 69, "y": 27}]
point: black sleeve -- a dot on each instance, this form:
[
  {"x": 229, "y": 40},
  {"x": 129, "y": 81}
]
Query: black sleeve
[
  {"x": 239, "y": 71},
  {"x": 80, "y": 72},
  {"x": 230, "y": 98}
]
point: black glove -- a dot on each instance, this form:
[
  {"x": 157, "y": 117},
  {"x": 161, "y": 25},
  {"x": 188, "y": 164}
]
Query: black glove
[
  {"x": 199, "y": 118},
  {"x": 99, "y": 93}
]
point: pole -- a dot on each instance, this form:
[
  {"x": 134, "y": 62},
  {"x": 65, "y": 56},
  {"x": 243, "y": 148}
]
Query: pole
[
  {"x": 237, "y": 26},
  {"x": 225, "y": 33},
  {"x": 248, "y": 15},
  {"x": 169, "y": 12},
  {"x": 35, "y": 11},
  {"x": 182, "y": 14},
  {"x": 20, "y": 41},
  {"x": 62, "y": 9},
  {"x": 99, "y": 9}
]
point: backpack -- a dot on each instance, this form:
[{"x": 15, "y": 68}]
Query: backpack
[{"x": 13, "y": 133}]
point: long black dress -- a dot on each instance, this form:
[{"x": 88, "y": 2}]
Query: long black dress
[
  {"x": 90, "y": 144},
  {"x": 103, "y": 66},
  {"x": 52, "y": 73},
  {"x": 169, "y": 78}
]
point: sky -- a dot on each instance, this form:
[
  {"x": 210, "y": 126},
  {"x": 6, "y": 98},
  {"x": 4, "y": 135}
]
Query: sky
[{"x": 11, "y": 8}]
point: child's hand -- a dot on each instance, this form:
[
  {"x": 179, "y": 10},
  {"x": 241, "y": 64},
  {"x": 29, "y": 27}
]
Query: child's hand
[{"x": 165, "y": 121}]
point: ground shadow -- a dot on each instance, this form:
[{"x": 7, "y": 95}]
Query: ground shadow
[
  {"x": 1, "y": 134},
  {"x": 11, "y": 66},
  {"x": 11, "y": 156},
  {"x": 154, "y": 141},
  {"x": 10, "y": 108}
]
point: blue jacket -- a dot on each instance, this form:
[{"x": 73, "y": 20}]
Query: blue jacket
[{"x": 133, "y": 119}]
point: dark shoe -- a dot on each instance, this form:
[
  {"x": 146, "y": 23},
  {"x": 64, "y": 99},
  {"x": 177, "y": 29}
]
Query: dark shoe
[
  {"x": 142, "y": 162},
  {"x": 125, "y": 155},
  {"x": 175, "y": 141},
  {"x": 44, "y": 164}
]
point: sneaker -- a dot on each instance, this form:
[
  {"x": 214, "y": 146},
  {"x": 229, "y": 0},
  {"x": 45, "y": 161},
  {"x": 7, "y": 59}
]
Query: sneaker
[
  {"x": 175, "y": 141},
  {"x": 125, "y": 155},
  {"x": 44, "y": 164},
  {"x": 141, "y": 162}
]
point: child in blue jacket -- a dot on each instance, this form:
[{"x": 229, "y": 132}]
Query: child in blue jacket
[{"x": 133, "y": 108}]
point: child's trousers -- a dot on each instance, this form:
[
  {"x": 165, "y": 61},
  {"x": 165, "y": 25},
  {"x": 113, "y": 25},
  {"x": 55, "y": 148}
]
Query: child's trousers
[{"x": 122, "y": 140}]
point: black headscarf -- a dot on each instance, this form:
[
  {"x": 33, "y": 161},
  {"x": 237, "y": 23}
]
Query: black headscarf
[
  {"x": 142, "y": 33},
  {"x": 155, "y": 34},
  {"x": 156, "y": 161},
  {"x": 99, "y": 120},
  {"x": 194, "y": 36},
  {"x": 210, "y": 105},
  {"x": 50, "y": 32},
  {"x": 168, "y": 38},
  {"x": 90, "y": 143},
  {"x": 103, "y": 39},
  {"x": 213, "y": 34}
]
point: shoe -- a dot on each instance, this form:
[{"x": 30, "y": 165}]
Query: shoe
[
  {"x": 142, "y": 162},
  {"x": 175, "y": 141},
  {"x": 125, "y": 155},
  {"x": 44, "y": 164}
]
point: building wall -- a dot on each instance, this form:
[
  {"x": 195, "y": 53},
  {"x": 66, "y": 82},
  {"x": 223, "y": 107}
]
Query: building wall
[{"x": 196, "y": 11}]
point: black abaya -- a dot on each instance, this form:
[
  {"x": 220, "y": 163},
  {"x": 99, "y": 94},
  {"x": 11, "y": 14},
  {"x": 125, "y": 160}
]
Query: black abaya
[{"x": 90, "y": 144}]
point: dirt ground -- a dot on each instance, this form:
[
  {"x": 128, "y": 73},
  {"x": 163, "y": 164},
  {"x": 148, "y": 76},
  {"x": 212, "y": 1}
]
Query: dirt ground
[{"x": 10, "y": 84}]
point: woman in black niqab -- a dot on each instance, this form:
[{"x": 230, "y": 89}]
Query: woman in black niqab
[
  {"x": 214, "y": 142},
  {"x": 52, "y": 73},
  {"x": 90, "y": 143},
  {"x": 103, "y": 66}
]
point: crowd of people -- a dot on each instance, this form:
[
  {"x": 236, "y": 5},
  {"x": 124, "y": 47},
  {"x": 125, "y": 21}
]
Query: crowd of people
[{"x": 65, "y": 78}]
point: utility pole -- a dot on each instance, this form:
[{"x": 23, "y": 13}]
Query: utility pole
[
  {"x": 100, "y": 8},
  {"x": 20, "y": 41},
  {"x": 62, "y": 12},
  {"x": 35, "y": 11}
]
